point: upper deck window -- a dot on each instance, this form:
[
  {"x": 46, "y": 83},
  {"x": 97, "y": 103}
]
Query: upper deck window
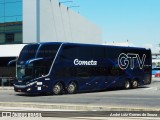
[
  {"x": 28, "y": 52},
  {"x": 48, "y": 51}
]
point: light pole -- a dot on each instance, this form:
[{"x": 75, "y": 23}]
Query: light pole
[
  {"x": 65, "y": 36},
  {"x": 159, "y": 47},
  {"x": 38, "y": 20},
  {"x": 71, "y": 7},
  {"x": 65, "y": 2},
  {"x": 70, "y": 20}
]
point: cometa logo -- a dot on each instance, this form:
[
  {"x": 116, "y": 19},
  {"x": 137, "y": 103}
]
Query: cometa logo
[
  {"x": 127, "y": 60},
  {"x": 80, "y": 62}
]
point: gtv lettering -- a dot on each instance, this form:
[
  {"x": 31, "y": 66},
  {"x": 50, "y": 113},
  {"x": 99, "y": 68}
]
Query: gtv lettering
[{"x": 128, "y": 60}]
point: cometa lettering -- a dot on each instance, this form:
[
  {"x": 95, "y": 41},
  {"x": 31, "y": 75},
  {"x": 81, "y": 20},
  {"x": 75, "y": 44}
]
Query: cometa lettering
[{"x": 80, "y": 62}]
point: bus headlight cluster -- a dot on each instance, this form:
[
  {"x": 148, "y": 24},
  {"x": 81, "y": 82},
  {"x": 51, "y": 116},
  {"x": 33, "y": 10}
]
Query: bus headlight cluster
[
  {"x": 30, "y": 84},
  {"x": 29, "y": 89}
]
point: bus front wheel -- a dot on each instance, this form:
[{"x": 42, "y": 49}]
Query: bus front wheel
[
  {"x": 127, "y": 84},
  {"x": 72, "y": 88},
  {"x": 57, "y": 89}
]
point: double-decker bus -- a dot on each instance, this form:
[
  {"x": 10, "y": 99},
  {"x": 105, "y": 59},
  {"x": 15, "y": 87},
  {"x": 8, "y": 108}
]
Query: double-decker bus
[{"x": 71, "y": 67}]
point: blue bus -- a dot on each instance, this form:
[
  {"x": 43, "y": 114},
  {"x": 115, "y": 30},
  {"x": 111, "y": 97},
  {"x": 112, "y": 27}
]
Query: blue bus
[
  {"x": 155, "y": 67},
  {"x": 71, "y": 67},
  {"x": 155, "y": 70}
]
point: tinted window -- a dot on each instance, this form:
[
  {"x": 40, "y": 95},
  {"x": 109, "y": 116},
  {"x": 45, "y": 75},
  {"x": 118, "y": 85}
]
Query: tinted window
[
  {"x": 88, "y": 52},
  {"x": 48, "y": 51},
  {"x": 28, "y": 52},
  {"x": 113, "y": 52},
  {"x": 9, "y": 38}
]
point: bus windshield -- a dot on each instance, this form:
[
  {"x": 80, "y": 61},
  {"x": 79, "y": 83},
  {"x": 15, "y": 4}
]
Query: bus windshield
[
  {"x": 31, "y": 72},
  {"x": 41, "y": 61},
  {"x": 24, "y": 73},
  {"x": 28, "y": 52}
]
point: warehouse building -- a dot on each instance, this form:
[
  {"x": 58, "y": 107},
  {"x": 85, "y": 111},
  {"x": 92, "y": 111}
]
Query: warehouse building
[
  {"x": 28, "y": 21},
  {"x": 31, "y": 21}
]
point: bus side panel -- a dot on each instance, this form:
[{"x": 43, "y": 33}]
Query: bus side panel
[{"x": 107, "y": 73}]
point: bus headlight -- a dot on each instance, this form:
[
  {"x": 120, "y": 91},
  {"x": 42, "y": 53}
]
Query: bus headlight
[
  {"x": 29, "y": 89},
  {"x": 32, "y": 83}
]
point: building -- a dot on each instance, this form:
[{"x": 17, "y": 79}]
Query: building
[
  {"x": 32, "y": 21},
  {"x": 11, "y": 33},
  {"x": 9, "y": 53},
  {"x": 28, "y": 21}
]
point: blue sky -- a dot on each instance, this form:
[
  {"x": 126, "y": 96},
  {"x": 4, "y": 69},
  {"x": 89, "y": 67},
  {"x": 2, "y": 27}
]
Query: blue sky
[
  {"x": 12, "y": 10},
  {"x": 120, "y": 20}
]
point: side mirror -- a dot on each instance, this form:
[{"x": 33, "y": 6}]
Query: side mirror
[
  {"x": 12, "y": 61},
  {"x": 33, "y": 60}
]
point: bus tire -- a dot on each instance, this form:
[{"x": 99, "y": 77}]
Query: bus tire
[
  {"x": 57, "y": 89},
  {"x": 134, "y": 84},
  {"x": 72, "y": 88},
  {"x": 127, "y": 84}
]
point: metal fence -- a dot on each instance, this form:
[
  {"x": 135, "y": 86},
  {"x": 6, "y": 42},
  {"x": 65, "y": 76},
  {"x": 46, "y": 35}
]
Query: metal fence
[{"x": 6, "y": 81}]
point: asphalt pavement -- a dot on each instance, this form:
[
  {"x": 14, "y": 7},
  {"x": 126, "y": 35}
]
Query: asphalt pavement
[{"x": 143, "y": 98}]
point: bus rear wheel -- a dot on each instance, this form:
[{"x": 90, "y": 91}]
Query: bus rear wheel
[
  {"x": 127, "y": 84},
  {"x": 57, "y": 89},
  {"x": 72, "y": 88},
  {"x": 134, "y": 84}
]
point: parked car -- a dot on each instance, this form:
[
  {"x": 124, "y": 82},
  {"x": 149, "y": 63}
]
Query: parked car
[{"x": 157, "y": 75}]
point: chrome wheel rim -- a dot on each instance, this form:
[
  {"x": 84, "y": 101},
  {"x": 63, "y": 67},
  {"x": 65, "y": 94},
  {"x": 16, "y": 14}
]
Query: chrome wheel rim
[
  {"x": 71, "y": 88},
  {"x": 127, "y": 85},
  {"x": 57, "y": 89},
  {"x": 135, "y": 84}
]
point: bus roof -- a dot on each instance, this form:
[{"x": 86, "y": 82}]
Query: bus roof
[{"x": 65, "y": 43}]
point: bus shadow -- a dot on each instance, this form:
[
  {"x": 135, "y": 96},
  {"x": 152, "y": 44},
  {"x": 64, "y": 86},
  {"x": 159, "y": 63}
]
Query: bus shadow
[
  {"x": 112, "y": 89},
  {"x": 34, "y": 95},
  {"x": 82, "y": 92}
]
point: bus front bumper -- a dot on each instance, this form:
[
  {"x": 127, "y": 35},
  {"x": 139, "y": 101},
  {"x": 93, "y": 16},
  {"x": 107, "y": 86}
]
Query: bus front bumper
[{"x": 24, "y": 88}]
